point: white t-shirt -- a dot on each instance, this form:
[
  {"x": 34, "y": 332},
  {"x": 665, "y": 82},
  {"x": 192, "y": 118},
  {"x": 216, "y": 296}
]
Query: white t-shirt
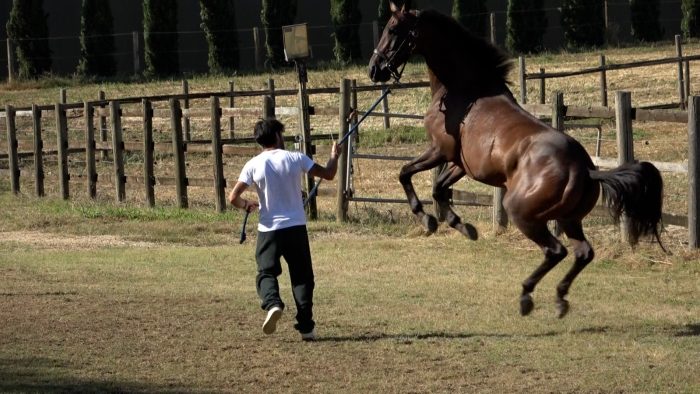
[{"x": 277, "y": 178}]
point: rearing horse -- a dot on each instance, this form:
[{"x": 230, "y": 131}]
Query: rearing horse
[{"x": 476, "y": 126}]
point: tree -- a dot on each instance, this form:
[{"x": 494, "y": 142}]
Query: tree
[
  {"x": 274, "y": 15},
  {"x": 96, "y": 39},
  {"x": 690, "y": 24},
  {"x": 219, "y": 25},
  {"x": 160, "y": 37},
  {"x": 28, "y": 29},
  {"x": 346, "y": 18},
  {"x": 525, "y": 26},
  {"x": 583, "y": 22},
  {"x": 472, "y": 14},
  {"x": 644, "y": 16},
  {"x": 384, "y": 13}
]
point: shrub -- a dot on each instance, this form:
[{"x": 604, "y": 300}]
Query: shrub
[
  {"x": 583, "y": 22},
  {"x": 27, "y": 27},
  {"x": 274, "y": 15},
  {"x": 219, "y": 25},
  {"x": 96, "y": 39},
  {"x": 472, "y": 14},
  {"x": 346, "y": 17},
  {"x": 160, "y": 37},
  {"x": 525, "y": 26},
  {"x": 644, "y": 16},
  {"x": 690, "y": 24}
]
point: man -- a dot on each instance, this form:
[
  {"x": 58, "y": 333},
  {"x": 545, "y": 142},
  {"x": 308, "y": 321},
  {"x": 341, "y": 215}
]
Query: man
[{"x": 276, "y": 174}]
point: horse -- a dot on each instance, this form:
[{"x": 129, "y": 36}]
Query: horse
[{"x": 476, "y": 127}]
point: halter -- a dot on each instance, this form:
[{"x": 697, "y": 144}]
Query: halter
[{"x": 409, "y": 41}]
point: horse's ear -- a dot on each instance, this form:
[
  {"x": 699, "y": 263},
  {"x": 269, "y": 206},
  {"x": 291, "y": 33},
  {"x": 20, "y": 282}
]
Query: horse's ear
[{"x": 393, "y": 7}]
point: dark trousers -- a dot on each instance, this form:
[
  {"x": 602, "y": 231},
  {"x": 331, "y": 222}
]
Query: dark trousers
[{"x": 293, "y": 244}]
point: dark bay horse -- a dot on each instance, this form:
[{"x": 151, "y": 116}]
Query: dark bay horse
[{"x": 476, "y": 126}]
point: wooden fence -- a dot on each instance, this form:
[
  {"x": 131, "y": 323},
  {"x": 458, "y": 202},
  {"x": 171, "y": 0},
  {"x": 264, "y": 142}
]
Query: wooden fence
[
  {"x": 683, "y": 75},
  {"x": 111, "y": 112}
]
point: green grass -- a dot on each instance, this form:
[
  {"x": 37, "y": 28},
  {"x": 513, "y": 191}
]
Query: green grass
[{"x": 406, "y": 313}]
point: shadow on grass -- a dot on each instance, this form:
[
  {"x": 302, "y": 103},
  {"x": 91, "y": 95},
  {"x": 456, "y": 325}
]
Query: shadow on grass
[
  {"x": 45, "y": 375},
  {"x": 687, "y": 330}
]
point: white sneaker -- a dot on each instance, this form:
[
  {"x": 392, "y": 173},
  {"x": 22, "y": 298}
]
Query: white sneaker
[
  {"x": 270, "y": 324},
  {"x": 309, "y": 336}
]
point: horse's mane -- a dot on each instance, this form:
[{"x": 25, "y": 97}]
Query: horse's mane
[{"x": 485, "y": 60}]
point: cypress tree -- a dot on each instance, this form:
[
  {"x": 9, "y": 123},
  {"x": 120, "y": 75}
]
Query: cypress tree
[
  {"x": 583, "y": 22},
  {"x": 346, "y": 18},
  {"x": 525, "y": 26},
  {"x": 27, "y": 27},
  {"x": 96, "y": 39},
  {"x": 384, "y": 12},
  {"x": 645, "y": 20},
  {"x": 219, "y": 25},
  {"x": 160, "y": 37},
  {"x": 274, "y": 15},
  {"x": 472, "y": 14},
  {"x": 690, "y": 24}
]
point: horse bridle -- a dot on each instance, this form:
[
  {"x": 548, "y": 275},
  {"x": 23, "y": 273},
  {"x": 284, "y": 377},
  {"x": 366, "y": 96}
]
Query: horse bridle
[{"x": 409, "y": 41}]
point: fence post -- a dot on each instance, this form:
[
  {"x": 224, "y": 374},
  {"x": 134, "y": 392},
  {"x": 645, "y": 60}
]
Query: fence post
[
  {"x": 10, "y": 61},
  {"x": 603, "y": 82},
  {"x": 492, "y": 27},
  {"x": 178, "y": 153},
  {"x": 542, "y": 86},
  {"x": 135, "y": 43},
  {"x": 342, "y": 196},
  {"x": 216, "y": 151},
  {"x": 385, "y": 108},
  {"x": 269, "y": 100},
  {"x": 500, "y": 217},
  {"x": 186, "y": 106},
  {"x": 115, "y": 114},
  {"x": 523, "y": 81},
  {"x": 558, "y": 111},
  {"x": 90, "y": 168},
  {"x": 257, "y": 43},
  {"x": 625, "y": 148},
  {"x": 12, "y": 148},
  {"x": 437, "y": 171},
  {"x": 62, "y": 144},
  {"x": 375, "y": 32},
  {"x": 687, "y": 79},
  {"x": 681, "y": 85},
  {"x": 63, "y": 95},
  {"x": 103, "y": 124},
  {"x": 693, "y": 172},
  {"x": 231, "y": 121},
  {"x": 353, "y": 106},
  {"x": 148, "y": 147},
  {"x": 38, "y": 152}
]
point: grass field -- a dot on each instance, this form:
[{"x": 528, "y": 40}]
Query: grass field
[{"x": 104, "y": 297}]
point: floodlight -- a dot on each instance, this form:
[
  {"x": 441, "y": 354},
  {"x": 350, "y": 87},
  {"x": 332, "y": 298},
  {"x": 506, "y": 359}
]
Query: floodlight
[{"x": 296, "y": 41}]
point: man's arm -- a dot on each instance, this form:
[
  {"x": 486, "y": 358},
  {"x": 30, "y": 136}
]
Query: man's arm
[
  {"x": 327, "y": 172},
  {"x": 237, "y": 201}
]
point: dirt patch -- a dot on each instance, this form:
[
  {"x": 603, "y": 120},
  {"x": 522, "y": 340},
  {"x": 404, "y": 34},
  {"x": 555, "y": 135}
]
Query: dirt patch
[{"x": 63, "y": 241}]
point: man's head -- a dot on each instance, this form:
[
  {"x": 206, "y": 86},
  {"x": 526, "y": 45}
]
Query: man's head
[{"x": 268, "y": 132}]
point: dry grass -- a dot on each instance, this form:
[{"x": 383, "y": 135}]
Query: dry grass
[{"x": 98, "y": 296}]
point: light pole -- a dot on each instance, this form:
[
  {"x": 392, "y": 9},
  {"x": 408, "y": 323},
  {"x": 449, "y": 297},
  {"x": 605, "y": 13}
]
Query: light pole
[{"x": 296, "y": 49}]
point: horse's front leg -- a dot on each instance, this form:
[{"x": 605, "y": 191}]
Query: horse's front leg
[
  {"x": 447, "y": 178},
  {"x": 429, "y": 159}
]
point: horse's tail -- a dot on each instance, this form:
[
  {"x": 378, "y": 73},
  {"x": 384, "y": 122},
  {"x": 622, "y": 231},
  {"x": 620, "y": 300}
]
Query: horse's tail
[{"x": 635, "y": 189}]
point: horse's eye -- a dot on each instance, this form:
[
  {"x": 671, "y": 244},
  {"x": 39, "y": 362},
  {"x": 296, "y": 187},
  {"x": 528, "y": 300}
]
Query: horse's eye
[{"x": 392, "y": 30}]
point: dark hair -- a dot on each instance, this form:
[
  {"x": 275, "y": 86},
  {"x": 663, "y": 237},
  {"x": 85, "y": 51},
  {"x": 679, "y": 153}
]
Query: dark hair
[{"x": 266, "y": 130}]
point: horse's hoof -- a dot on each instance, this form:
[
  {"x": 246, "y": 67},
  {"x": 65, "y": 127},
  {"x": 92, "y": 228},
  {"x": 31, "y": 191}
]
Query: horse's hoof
[
  {"x": 430, "y": 223},
  {"x": 470, "y": 232},
  {"x": 562, "y": 307},
  {"x": 526, "y": 304}
]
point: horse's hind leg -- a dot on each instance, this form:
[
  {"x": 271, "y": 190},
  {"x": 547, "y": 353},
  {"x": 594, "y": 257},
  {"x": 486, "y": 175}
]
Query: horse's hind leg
[
  {"x": 427, "y": 160},
  {"x": 554, "y": 252},
  {"x": 449, "y": 176},
  {"x": 583, "y": 253}
]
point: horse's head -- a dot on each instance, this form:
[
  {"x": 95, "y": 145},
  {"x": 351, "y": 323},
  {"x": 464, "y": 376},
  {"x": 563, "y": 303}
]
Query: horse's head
[{"x": 395, "y": 46}]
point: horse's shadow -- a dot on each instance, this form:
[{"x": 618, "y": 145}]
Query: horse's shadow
[{"x": 687, "y": 330}]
